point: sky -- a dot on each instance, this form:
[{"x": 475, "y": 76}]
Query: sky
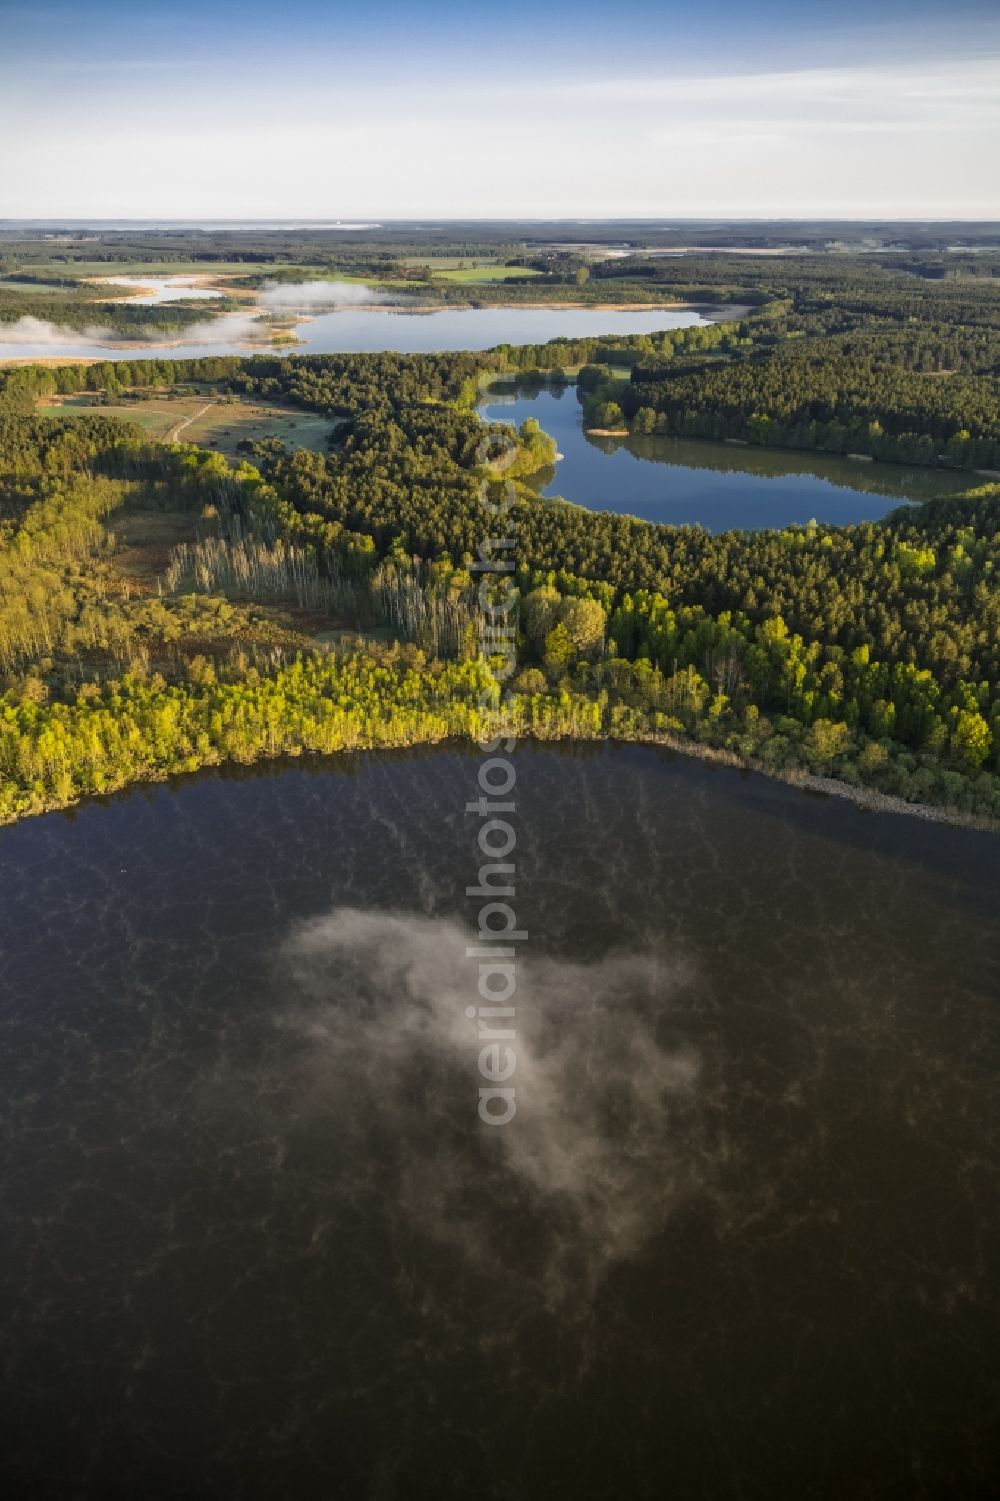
[{"x": 312, "y": 109}]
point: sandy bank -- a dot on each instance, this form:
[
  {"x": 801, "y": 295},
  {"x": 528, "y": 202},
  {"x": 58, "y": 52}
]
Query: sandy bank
[{"x": 862, "y": 797}]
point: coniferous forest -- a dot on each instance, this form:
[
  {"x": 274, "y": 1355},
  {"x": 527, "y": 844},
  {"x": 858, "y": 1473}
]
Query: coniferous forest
[
  {"x": 500, "y": 751},
  {"x": 307, "y": 600}
]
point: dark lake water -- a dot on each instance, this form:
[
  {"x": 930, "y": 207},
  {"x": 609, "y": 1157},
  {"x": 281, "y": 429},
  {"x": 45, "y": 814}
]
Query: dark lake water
[
  {"x": 357, "y": 330},
  {"x": 719, "y": 485},
  {"x": 742, "y": 1239}
]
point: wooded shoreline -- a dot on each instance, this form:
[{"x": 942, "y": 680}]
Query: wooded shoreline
[{"x": 867, "y": 798}]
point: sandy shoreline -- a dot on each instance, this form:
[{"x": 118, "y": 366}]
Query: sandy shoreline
[
  {"x": 199, "y": 282},
  {"x": 868, "y": 798}
]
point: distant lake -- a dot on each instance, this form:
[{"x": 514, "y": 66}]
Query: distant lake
[
  {"x": 741, "y": 1241},
  {"x": 721, "y": 486},
  {"x": 479, "y": 328},
  {"x": 156, "y": 289},
  {"x": 356, "y": 330}
]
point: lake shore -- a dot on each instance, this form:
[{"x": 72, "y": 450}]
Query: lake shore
[
  {"x": 868, "y": 798},
  {"x": 664, "y": 479},
  {"x": 161, "y": 347},
  {"x": 426, "y": 309},
  {"x": 862, "y": 797},
  {"x": 137, "y": 291}
]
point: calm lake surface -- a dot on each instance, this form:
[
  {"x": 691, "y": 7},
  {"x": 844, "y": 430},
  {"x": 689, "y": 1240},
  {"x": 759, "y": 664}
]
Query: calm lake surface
[
  {"x": 478, "y": 328},
  {"x": 719, "y": 485},
  {"x": 742, "y": 1239},
  {"x": 353, "y": 330}
]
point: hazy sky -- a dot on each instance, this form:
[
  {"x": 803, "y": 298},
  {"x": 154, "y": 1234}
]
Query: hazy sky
[{"x": 255, "y": 108}]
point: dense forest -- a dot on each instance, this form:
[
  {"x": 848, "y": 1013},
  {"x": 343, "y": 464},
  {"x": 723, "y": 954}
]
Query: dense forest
[
  {"x": 310, "y": 600},
  {"x": 924, "y": 243},
  {"x": 848, "y": 394},
  {"x": 804, "y": 276}
]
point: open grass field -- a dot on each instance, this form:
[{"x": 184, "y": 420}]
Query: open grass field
[
  {"x": 312, "y": 274},
  {"x": 474, "y": 274},
  {"x": 156, "y": 417},
  {"x": 34, "y": 288},
  {"x": 226, "y": 424},
  {"x": 435, "y": 262},
  {"x": 219, "y": 425}
]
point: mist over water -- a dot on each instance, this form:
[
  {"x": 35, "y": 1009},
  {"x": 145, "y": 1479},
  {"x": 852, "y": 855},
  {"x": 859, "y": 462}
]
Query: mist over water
[
  {"x": 38, "y": 334},
  {"x": 740, "y": 1240},
  {"x": 303, "y": 295},
  {"x": 229, "y": 333},
  {"x": 35, "y": 338},
  {"x": 357, "y": 320},
  {"x": 596, "y": 1146}
]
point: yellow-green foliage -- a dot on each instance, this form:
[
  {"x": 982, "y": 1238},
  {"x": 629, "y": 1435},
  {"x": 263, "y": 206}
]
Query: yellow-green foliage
[{"x": 52, "y": 754}]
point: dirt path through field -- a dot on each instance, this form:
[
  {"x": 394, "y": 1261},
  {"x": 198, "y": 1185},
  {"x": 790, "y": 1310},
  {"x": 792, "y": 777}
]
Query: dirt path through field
[{"x": 174, "y": 432}]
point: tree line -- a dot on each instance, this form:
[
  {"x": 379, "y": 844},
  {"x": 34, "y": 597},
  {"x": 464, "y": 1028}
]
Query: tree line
[{"x": 869, "y": 652}]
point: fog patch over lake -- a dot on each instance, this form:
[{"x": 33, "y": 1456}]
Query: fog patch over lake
[
  {"x": 253, "y": 1225},
  {"x": 37, "y": 338},
  {"x": 347, "y": 326},
  {"x": 40, "y": 333},
  {"x": 302, "y": 295},
  {"x": 605, "y": 1141}
]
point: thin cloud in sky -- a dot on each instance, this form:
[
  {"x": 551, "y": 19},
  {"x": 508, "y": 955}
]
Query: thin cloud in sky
[{"x": 453, "y": 134}]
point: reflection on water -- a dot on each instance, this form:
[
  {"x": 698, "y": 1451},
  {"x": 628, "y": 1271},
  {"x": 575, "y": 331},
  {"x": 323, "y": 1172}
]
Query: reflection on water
[
  {"x": 717, "y": 485},
  {"x": 479, "y": 328},
  {"x": 740, "y": 1241}
]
